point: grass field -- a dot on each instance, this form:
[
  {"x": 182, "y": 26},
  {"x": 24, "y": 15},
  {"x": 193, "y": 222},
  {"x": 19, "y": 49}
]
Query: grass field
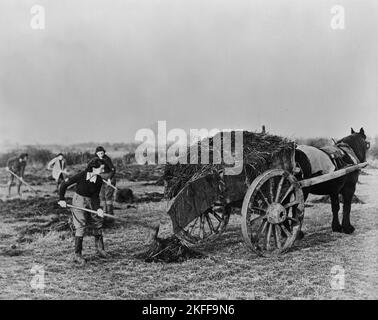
[{"x": 228, "y": 270}]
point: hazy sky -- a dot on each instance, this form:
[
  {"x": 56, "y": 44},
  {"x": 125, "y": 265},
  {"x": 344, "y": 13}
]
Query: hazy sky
[{"x": 101, "y": 70}]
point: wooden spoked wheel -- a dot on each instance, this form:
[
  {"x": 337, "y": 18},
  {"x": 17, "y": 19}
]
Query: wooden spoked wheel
[
  {"x": 206, "y": 227},
  {"x": 272, "y": 212}
]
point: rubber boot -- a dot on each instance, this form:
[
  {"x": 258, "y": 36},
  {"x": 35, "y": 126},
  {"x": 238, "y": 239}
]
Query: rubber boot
[
  {"x": 99, "y": 244},
  {"x": 19, "y": 189},
  {"x": 78, "y": 258}
]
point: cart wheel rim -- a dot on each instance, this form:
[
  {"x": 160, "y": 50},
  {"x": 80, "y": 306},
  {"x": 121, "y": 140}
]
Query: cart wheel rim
[
  {"x": 206, "y": 227},
  {"x": 272, "y": 213}
]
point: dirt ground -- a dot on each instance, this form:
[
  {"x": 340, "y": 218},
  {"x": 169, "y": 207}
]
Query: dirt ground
[{"x": 324, "y": 265}]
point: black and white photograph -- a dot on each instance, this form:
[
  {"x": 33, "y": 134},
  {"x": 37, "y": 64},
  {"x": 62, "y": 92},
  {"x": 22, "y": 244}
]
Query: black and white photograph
[{"x": 207, "y": 151}]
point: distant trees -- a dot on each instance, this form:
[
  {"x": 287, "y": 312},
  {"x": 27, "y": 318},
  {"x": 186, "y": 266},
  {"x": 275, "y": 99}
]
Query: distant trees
[
  {"x": 36, "y": 155},
  {"x": 320, "y": 142},
  {"x": 82, "y": 153},
  {"x": 41, "y": 156},
  {"x": 75, "y": 154}
]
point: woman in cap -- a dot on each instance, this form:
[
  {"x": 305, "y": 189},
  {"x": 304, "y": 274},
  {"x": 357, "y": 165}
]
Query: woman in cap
[{"x": 88, "y": 186}]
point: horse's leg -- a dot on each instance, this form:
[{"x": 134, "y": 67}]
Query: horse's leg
[
  {"x": 347, "y": 192},
  {"x": 335, "y": 202}
]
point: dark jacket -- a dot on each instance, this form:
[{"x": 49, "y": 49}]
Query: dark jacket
[
  {"x": 109, "y": 168},
  {"x": 84, "y": 188}
]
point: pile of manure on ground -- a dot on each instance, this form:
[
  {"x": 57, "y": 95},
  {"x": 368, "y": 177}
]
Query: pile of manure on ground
[
  {"x": 124, "y": 195},
  {"x": 53, "y": 224},
  {"x": 168, "y": 250},
  {"x": 260, "y": 150},
  {"x": 12, "y": 251},
  {"x": 31, "y": 207},
  {"x": 150, "y": 197},
  {"x": 42, "y": 215}
]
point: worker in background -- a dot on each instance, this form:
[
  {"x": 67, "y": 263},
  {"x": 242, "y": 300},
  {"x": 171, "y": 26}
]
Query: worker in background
[
  {"x": 16, "y": 165},
  {"x": 59, "y": 170},
  {"x": 107, "y": 192}
]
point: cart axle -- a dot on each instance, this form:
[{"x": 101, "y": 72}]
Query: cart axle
[{"x": 276, "y": 213}]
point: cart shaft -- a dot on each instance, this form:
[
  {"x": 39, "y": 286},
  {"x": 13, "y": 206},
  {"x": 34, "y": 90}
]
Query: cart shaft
[{"x": 330, "y": 176}]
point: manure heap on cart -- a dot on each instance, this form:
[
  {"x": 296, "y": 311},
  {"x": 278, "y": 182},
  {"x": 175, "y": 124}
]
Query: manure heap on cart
[{"x": 202, "y": 195}]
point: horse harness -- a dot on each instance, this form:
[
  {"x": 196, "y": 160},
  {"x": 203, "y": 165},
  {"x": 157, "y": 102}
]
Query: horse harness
[{"x": 338, "y": 153}]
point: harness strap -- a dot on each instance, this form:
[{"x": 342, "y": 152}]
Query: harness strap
[
  {"x": 335, "y": 154},
  {"x": 349, "y": 151}
]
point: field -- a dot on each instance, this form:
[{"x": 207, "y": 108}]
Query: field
[{"x": 227, "y": 270}]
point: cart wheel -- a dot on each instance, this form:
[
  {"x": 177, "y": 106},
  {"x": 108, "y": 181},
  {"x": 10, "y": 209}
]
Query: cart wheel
[
  {"x": 206, "y": 227},
  {"x": 272, "y": 212}
]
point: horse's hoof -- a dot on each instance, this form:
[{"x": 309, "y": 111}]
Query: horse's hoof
[
  {"x": 348, "y": 229},
  {"x": 337, "y": 228},
  {"x": 300, "y": 235}
]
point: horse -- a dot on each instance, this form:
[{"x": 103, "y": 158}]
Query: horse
[{"x": 351, "y": 150}]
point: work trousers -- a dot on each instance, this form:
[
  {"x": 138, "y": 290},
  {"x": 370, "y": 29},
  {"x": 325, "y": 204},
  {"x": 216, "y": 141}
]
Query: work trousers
[
  {"x": 82, "y": 219},
  {"x": 107, "y": 193}
]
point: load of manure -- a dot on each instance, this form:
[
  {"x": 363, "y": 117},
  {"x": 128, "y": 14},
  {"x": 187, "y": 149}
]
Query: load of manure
[{"x": 259, "y": 152}]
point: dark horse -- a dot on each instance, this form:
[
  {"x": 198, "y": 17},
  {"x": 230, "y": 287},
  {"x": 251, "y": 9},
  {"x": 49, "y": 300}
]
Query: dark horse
[{"x": 353, "y": 150}]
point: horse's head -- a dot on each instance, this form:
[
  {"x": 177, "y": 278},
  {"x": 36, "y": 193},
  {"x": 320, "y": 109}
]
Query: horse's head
[{"x": 357, "y": 141}]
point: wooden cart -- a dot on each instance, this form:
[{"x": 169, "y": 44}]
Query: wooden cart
[{"x": 271, "y": 206}]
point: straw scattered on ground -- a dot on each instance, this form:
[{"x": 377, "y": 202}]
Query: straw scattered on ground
[{"x": 168, "y": 250}]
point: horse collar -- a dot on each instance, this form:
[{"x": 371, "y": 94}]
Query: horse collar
[{"x": 349, "y": 151}]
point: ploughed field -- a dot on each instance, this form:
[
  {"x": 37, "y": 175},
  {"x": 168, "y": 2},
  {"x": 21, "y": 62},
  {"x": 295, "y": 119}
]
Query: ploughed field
[{"x": 35, "y": 233}]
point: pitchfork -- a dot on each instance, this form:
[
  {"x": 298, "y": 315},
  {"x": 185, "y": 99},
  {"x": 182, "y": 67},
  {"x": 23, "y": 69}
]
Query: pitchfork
[
  {"x": 110, "y": 185},
  {"x": 95, "y": 212},
  {"x": 23, "y": 181}
]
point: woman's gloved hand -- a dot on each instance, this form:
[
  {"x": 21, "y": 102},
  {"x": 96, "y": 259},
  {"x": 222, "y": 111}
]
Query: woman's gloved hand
[
  {"x": 100, "y": 212},
  {"x": 62, "y": 203}
]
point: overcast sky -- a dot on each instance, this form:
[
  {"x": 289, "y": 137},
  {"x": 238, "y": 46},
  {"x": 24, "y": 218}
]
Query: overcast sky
[{"x": 101, "y": 70}]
